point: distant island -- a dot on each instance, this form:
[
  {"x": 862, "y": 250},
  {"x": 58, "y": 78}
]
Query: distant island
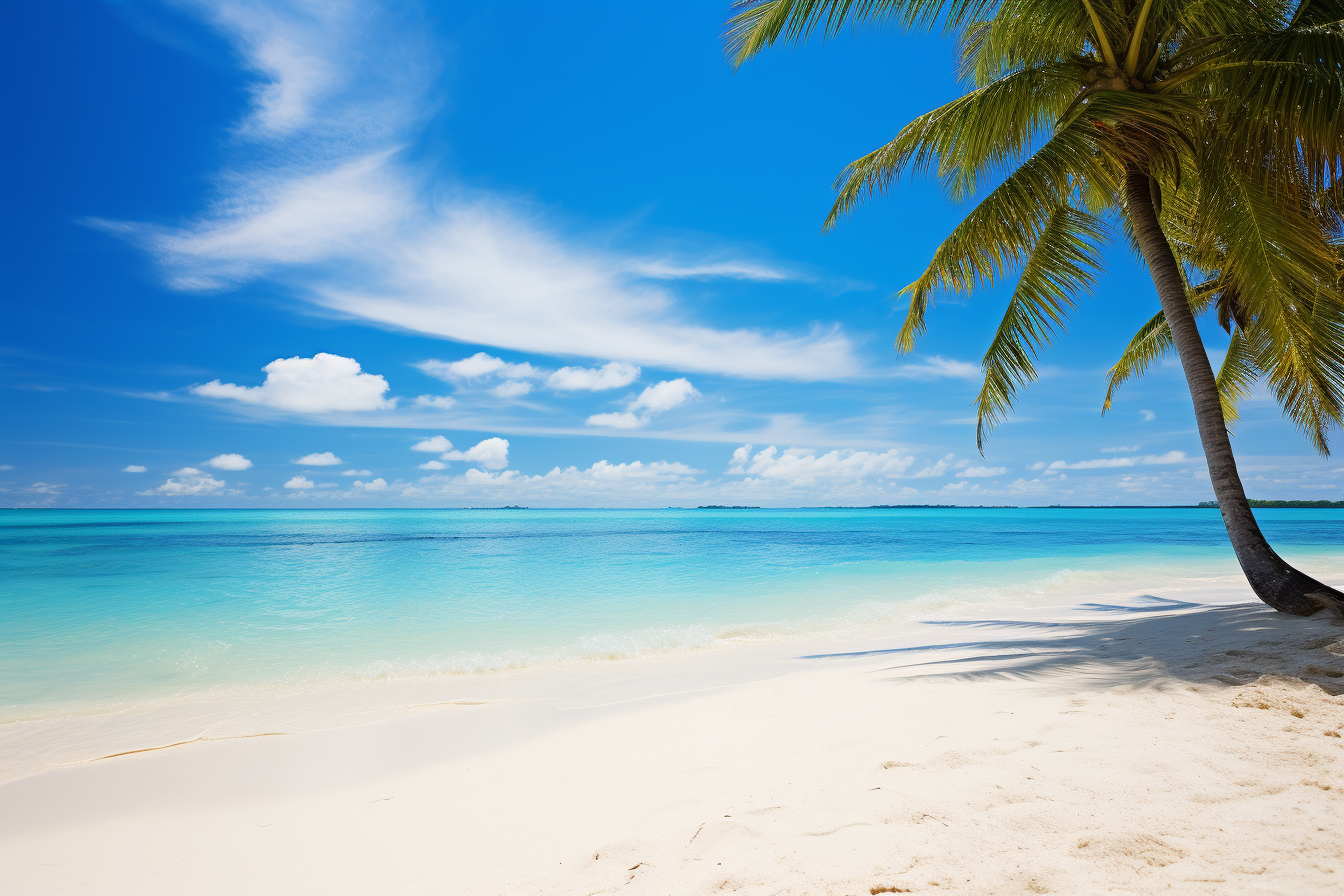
[
  {"x": 505, "y": 507},
  {"x": 725, "y": 507},
  {"x": 1257, "y": 503},
  {"x": 924, "y": 507}
]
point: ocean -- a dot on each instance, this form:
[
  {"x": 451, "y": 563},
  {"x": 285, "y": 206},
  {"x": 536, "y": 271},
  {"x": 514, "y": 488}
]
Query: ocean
[{"x": 106, "y": 608}]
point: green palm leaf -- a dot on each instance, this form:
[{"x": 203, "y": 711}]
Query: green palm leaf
[{"x": 1060, "y": 267}]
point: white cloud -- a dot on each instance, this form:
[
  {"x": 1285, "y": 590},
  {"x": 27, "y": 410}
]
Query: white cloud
[
  {"x": 938, "y": 367},
  {"x": 313, "y": 385},
  {"x": 357, "y": 473},
  {"x": 333, "y": 212},
  {"x": 130, "y": 468},
  {"x": 612, "y": 375},
  {"x": 299, "y": 482},
  {"x": 376, "y": 485},
  {"x": 1120, "y": 449},
  {"x": 443, "y": 402},
  {"x": 492, "y": 453},
  {"x": 666, "y": 269},
  {"x": 53, "y": 488},
  {"x": 937, "y": 469},
  {"x": 325, "y": 459},
  {"x": 229, "y": 462},
  {"x": 652, "y": 401},
  {"x": 1171, "y": 457},
  {"x": 657, "y": 471},
  {"x": 511, "y": 389},
  {"x": 741, "y": 456},
  {"x": 478, "y": 366},
  {"x": 617, "y": 420},
  {"x": 1147, "y": 415},
  {"x": 801, "y": 466},
  {"x": 433, "y": 465},
  {"x": 188, "y": 481},
  {"x": 433, "y": 445},
  {"x": 664, "y": 396},
  {"x": 982, "y": 472}
]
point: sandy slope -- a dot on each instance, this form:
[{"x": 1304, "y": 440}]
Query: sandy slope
[{"x": 1143, "y": 747}]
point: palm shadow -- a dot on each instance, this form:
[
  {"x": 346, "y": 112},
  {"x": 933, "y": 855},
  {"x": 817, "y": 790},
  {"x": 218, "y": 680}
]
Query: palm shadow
[{"x": 1140, "y": 643}]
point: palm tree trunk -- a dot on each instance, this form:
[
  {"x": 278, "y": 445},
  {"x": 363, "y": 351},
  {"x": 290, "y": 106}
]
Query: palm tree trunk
[{"x": 1273, "y": 580}]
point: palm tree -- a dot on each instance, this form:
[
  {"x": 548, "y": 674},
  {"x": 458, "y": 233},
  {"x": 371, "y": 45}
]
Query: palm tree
[{"x": 1210, "y": 130}]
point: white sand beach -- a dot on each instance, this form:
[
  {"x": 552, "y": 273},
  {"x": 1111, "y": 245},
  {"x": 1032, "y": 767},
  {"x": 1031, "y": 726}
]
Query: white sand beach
[{"x": 1141, "y": 745}]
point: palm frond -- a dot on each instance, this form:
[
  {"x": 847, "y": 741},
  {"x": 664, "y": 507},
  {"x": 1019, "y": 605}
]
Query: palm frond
[
  {"x": 967, "y": 137},
  {"x": 1236, "y": 375},
  {"x": 1001, "y": 230},
  {"x": 1149, "y": 344},
  {"x": 1062, "y": 265},
  {"x": 762, "y": 23}
]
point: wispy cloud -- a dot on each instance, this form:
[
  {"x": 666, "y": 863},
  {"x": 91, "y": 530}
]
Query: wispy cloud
[
  {"x": 937, "y": 367},
  {"x": 1104, "y": 463},
  {"x": 802, "y": 466},
  {"x": 322, "y": 200}
]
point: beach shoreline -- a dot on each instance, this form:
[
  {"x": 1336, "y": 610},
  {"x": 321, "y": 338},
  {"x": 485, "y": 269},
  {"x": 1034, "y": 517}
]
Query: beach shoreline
[{"x": 1149, "y": 743}]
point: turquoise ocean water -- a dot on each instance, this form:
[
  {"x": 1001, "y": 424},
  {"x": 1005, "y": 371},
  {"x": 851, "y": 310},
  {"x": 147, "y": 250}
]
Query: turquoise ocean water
[{"x": 105, "y": 607}]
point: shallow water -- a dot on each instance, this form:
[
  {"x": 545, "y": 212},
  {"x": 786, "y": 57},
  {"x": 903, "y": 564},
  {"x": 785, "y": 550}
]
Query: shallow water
[{"x": 105, "y": 607}]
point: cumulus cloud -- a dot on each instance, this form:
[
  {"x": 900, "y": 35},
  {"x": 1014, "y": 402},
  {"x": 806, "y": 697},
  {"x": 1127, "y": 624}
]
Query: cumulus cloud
[
  {"x": 652, "y": 401},
  {"x": 313, "y": 385},
  {"x": 617, "y": 420},
  {"x": 613, "y": 375},
  {"x": 664, "y": 396},
  {"x": 333, "y": 211},
  {"x": 357, "y": 473},
  {"x": 478, "y": 366},
  {"x": 377, "y": 485},
  {"x": 188, "y": 481},
  {"x": 492, "y": 453},
  {"x": 1147, "y": 415},
  {"x": 802, "y": 466},
  {"x": 299, "y": 482},
  {"x": 325, "y": 459},
  {"x": 229, "y": 462},
  {"x": 131, "y": 468},
  {"x": 938, "y": 367},
  {"x": 1120, "y": 449},
  {"x": 433, "y": 445}
]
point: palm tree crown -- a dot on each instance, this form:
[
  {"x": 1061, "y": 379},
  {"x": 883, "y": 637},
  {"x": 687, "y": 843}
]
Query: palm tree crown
[
  {"x": 1209, "y": 132},
  {"x": 1233, "y": 107}
]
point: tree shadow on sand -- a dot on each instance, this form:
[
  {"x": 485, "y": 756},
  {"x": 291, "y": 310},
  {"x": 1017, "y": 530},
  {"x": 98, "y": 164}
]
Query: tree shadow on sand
[{"x": 1141, "y": 643}]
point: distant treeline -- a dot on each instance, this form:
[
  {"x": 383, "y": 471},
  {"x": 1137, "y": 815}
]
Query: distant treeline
[
  {"x": 1256, "y": 503},
  {"x": 925, "y": 507},
  {"x": 726, "y": 507}
]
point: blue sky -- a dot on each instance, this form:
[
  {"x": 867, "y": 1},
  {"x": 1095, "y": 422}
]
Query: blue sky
[{"x": 347, "y": 254}]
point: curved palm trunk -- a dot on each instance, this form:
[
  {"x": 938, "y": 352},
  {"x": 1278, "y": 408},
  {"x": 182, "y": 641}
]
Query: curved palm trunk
[{"x": 1274, "y": 581}]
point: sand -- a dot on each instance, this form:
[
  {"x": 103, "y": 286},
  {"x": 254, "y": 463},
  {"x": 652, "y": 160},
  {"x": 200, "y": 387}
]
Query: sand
[{"x": 1140, "y": 746}]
